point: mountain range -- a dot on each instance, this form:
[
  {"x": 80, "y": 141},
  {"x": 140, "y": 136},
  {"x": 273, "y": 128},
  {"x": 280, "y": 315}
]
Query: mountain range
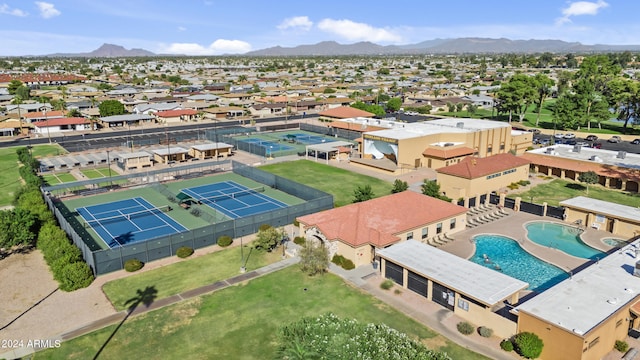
[{"x": 436, "y": 46}]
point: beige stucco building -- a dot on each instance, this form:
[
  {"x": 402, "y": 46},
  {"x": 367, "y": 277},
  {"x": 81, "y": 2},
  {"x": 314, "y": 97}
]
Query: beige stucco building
[
  {"x": 582, "y": 317},
  {"x": 475, "y": 176},
  {"x": 440, "y": 142},
  {"x": 620, "y": 220},
  {"x": 357, "y": 230}
]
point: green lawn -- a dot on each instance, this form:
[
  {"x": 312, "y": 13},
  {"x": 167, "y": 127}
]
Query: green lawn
[
  {"x": 9, "y": 176},
  {"x": 53, "y": 179},
  {"x": 186, "y": 275},
  {"x": 559, "y": 190},
  {"x": 50, "y": 179},
  {"x": 92, "y": 173},
  {"x": 337, "y": 182},
  {"x": 241, "y": 322}
]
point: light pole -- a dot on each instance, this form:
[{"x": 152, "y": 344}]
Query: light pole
[
  {"x": 47, "y": 121},
  {"x": 109, "y": 167},
  {"x": 130, "y": 141},
  {"x": 243, "y": 268}
]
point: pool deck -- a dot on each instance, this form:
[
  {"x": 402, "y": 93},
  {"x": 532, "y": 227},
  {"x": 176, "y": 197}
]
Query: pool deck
[{"x": 513, "y": 226}]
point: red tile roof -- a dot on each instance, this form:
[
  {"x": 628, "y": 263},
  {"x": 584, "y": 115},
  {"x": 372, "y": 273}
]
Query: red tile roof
[
  {"x": 345, "y": 112},
  {"x": 61, "y": 121},
  {"x": 30, "y": 78},
  {"x": 472, "y": 167},
  {"x": 377, "y": 221},
  {"x": 581, "y": 166},
  {"x": 175, "y": 113},
  {"x": 41, "y": 114},
  {"x": 447, "y": 153}
]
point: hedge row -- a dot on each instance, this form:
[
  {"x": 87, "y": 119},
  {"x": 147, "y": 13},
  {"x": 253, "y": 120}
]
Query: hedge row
[{"x": 64, "y": 259}]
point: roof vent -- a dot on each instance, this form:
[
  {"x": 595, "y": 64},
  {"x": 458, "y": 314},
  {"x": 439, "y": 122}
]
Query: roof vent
[
  {"x": 629, "y": 290},
  {"x": 576, "y": 148},
  {"x": 636, "y": 271},
  {"x": 621, "y": 154},
  {"x": 460, "y": 125},
  {"x": 549, "y": 150},
  {"x": 613, "y": 301},
  {"x": 595, "y": 158}
]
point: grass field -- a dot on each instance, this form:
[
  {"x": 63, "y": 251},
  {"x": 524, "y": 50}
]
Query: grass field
[
  {"x": 546, "y": 119},
  {"x": 10, "y": 180},
  {"x": 559, "y": 190},
  {"x": 337, "y": 182},
  {"x": 187, "y": 275},
  {"x": 241, "y": 322},
  {"x": 97, "y": 173},
  {"x": 53, "y": 179}
]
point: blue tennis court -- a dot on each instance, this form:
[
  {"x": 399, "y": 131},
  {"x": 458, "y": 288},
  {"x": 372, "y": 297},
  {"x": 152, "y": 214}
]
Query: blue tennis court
[
  {"x": 271, "y": 145},
  {"x": 308, "y": 139},
  {"x": 128, "y": 221},
  {"x": 234, "y": 200}
]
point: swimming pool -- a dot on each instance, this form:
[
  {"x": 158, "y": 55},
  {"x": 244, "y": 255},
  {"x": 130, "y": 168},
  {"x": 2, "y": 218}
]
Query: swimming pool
[
  {"x": 504, "y": 254},
  {"x": 562, "y": 237},
  {"x": 614, "y": 242}
]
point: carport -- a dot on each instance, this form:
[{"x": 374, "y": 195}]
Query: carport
[{"x": 334, "y": 148}]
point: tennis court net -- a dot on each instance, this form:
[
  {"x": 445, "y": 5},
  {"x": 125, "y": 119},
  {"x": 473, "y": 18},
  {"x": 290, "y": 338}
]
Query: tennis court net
[
  {"x": 126, "y": 216},
  {"x": 233, "y": 195}
]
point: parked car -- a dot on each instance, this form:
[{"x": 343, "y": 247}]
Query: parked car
[
  {"x": 558, "y": 136},
  {"x": 570, "y": 142},
  {"x": 636, "y": 142},
  {"x": 591, "y": 138},
  {"x": 534, "y": 131},
  {"x": 615, "y": 139},
  {"x": 596, "y": 145},
  {"x": 569, "y": 136}
]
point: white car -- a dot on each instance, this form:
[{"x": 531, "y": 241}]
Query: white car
[
  {"x": 558, "y": 136},
  {"x": 569, "y": 136}
]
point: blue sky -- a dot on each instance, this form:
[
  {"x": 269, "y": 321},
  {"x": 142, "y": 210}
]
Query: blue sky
[{"x": 213, "y": 27}]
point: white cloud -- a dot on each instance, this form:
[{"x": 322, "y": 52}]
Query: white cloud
[
  {"x": 182, "y": 28},
  {"x": 297, "y": 22},
  {"x": 47, "y": 10},
  {"x": 5, "y": 9},
  {"x": 581, "y": 8},
  {"x": 218, "y": 47},
  {"x": 355, "y": 31}
]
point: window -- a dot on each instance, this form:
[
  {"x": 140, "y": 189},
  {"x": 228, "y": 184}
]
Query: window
[
  {"x": 508, "y": 171},
  {"x": 425, "y": 233},
  {"x": 464, "y": 305},
  {"x": 594, "y": 342},
  {"x": 439, "y": 228},
  {"x": 452, "y": 224},
  {"x": 489, "y": 149},
  {"x": 489, "y": 177},
  {"x": 410, "y": 235},
  {"x": 619, "y": 322}
]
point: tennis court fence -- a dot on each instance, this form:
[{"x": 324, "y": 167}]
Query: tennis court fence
[{"x": 103, "y": 261}]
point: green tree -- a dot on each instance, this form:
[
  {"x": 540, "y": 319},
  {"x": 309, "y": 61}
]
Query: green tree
[
  {"x": 430, "y": 188},
  {"x": 24, "y": 92},
  {"x": 399, "y": 186},
  {"x": 588, "y": 178},
  {"x": 394, "y": 104},
  {"x": 528, "y": 345},
  {"x": 17, "y": 228},
  {"x": 565, "y": 112},
  {"x": 267, "y": 239},
  {"x": 13, "y": 86},
  {"x": 543, "y": 86},
  {"x": 374, "y": 109},
  {"x": 516, "y": 95},
  {"x": 624, "y": 98},
  {"x": 472, "y": 109},
  {"x": 363, "y": 193},
  {"x": 111, "y": 107},
  {"x": 314, "y": 258}
]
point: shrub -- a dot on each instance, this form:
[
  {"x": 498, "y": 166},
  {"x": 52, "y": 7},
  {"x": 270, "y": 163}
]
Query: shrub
[
  {"x": 528, "y": 344},
  {"x": 397, "y": 291},
  {"x": 338, "y": 259},
  {"x": 132, "y": 265},
  {"x": 224, "y": 241},
  {"x": 296, "y": 223},
  {"x": 264, "y": 227},
  {"x": 621, "y": 346},
  {"x": 387, "y": 284},
  {"x": 347, "y": 264},
  {"x": 74, "y": 276},
  {"x": 524, "y": 182},
  {"x": 299, "y": 240},
  {"x": 195, "y": 212},
  {"x": 465, "y": 328},
  {"x": 485, "y": 331},
  {"x": 184, "y": 251},
  {"x": 506, "y": 345},
  {"x": 513, "y": 186}
]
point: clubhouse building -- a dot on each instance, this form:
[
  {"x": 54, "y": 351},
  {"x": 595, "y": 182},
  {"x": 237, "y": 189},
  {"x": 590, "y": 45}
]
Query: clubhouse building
[{"x": 435, "y": 143}]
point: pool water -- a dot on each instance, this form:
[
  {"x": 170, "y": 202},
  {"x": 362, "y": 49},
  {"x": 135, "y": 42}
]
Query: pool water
[
  {"x": 504, "y": 254},
  {"x": 614, "y": 242},
  {"x": 562, "y": 237}
]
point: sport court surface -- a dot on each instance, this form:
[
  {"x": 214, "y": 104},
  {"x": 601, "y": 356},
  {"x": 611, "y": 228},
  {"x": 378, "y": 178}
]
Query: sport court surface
[
  {"x": 127, "y": 221},
  {"x": 233, "y": 199},
  {"x": 270, "y": 145}
]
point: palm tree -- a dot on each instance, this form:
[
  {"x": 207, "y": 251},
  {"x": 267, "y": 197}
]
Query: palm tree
[{"x": 17, "y": 100}]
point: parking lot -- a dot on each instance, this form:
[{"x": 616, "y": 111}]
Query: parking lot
[{"x": 607, "y": 142}]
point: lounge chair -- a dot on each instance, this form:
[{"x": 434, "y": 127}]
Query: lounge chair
[{"x": 448, "y": 238}]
